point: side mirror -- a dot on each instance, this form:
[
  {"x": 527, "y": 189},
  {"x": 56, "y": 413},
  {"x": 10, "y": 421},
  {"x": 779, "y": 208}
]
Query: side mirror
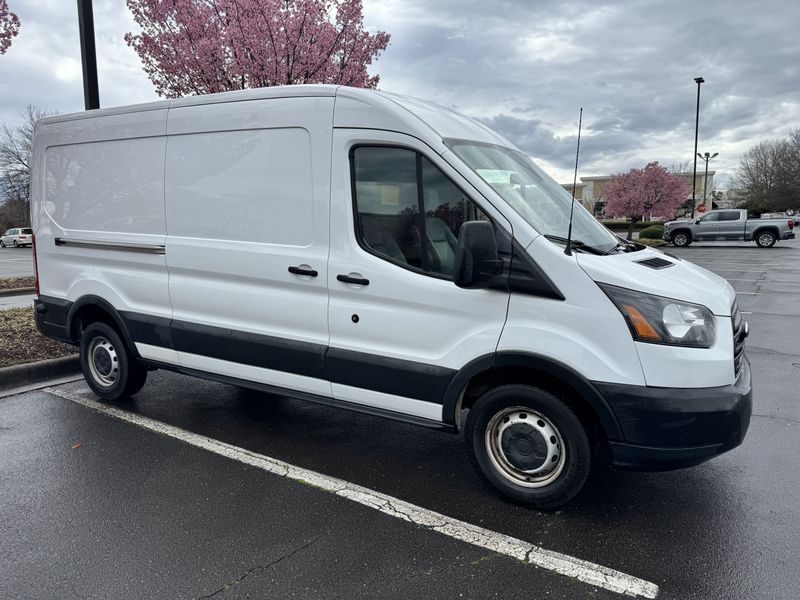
[
  {"x": 696, "y": 221},
  {"x": 477, "y": 261}
]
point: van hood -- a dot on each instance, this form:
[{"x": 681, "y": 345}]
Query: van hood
[{"x": 680, "y": 280}]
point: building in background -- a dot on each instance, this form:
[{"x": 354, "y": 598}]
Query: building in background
[{"x": 590, "y": 191}]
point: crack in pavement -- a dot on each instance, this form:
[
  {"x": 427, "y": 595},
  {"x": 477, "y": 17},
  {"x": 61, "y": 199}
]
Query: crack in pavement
[
  {"x": 790, "y": 419},
  {"x": 563, "y": 564},
  {"x": 247, "y": 574},
  {"x": 761, "y": 350}
]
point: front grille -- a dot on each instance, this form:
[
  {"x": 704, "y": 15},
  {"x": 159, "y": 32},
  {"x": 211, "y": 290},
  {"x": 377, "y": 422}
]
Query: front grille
[{"x": 738, "y": 337}]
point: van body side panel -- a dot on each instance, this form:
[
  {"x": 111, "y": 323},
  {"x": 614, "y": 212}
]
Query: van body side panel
[
  {"x": 583, "y": 332},
  {"x": 98, "y": 199},
  {"x": 246, "y": 199}
]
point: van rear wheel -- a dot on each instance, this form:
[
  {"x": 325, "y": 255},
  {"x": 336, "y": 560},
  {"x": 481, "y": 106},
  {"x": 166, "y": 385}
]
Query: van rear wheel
[
  {"x": 108, "y": 367},
  {"x": 528, "y": 445}
]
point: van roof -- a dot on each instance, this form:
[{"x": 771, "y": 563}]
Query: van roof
[{"x": 356, "y": 108}]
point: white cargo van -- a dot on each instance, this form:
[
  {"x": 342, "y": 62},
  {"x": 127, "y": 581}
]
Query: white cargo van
[{"x": 383, "y": 254}]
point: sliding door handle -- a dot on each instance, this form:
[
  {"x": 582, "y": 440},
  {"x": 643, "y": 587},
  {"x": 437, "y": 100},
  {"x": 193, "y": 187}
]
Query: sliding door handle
[
  {"x": 303, "y": 270},
  {"x": 357, "y": 280}
]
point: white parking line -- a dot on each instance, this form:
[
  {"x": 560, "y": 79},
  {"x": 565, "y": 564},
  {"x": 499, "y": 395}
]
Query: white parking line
[{"x": 563, "y": 564}]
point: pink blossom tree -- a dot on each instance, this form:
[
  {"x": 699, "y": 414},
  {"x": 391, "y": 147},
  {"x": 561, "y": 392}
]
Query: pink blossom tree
[
  {"x": 9, "y": 26},
  {"x": 205, "y": 46},
  {"x": 642, "y": 192}
]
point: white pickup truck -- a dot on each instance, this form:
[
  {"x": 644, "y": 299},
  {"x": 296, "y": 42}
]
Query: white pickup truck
[{"x": 728, "y": 224}]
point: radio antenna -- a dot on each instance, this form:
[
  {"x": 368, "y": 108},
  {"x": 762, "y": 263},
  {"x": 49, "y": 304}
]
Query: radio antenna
[{"x": 568, "y": 248}]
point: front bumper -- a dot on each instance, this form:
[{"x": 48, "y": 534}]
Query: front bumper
[{"x": 672, "y": 428}]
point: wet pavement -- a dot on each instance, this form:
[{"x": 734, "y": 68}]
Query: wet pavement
[
  {"x": 133, "y": 514},
  {"x": 16, "y": 262},
  {"x": 17, "y": 301}
]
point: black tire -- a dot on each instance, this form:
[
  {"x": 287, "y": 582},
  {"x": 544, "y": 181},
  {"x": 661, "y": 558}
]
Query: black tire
[
  {"x": 16, "y": 244},
  {"x": 137, "y": 380},
  {"x": 2, "y": 244},
  {"x": 765, "y": 239},
  {"x": 108, "y": 367},
  {"x": 535, "y": 429},
  {"x": 681, "y": 239}
]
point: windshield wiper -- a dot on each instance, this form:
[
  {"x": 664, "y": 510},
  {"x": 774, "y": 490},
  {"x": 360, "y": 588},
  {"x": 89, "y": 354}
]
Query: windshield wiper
[
  {"x": 577, "y": 244},
  {"x": 626, "y": 246}
]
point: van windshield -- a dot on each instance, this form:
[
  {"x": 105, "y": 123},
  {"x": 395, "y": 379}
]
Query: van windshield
[{"x": 538, "y": 199}]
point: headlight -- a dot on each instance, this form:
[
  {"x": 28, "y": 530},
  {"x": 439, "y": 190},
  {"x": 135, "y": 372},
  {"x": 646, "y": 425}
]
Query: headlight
[{"x": 659, "y": 320}]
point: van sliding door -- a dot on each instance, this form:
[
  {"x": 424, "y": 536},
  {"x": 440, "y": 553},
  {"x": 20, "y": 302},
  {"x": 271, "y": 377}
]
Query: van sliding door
[{"x": 247, "y": 239}]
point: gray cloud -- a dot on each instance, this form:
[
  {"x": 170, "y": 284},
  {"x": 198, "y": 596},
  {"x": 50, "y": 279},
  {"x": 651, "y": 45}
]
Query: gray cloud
[{"x": 524, "y": 67}]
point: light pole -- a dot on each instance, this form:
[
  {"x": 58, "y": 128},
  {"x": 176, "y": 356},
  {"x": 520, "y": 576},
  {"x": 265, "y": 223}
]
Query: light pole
[
  {"x": 708, "y": 158},
  {"x": 698, "y": 81},
  {"x": 91, "y": 95}
]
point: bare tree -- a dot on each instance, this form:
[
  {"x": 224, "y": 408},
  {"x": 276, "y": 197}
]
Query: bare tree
[
  {"x": 16, "y": 143},
  {"x": 768, "y": 176},
  {"x": 14, "y": 213},
  {"x": 680, "y": 168}
]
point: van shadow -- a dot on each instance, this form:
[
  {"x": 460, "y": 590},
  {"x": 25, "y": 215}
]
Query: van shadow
[{"x": 635, "y": 513}]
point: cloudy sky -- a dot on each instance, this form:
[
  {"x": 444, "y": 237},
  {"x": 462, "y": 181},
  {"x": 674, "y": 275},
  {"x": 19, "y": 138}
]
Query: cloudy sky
[{"x": 523, "y": 66}]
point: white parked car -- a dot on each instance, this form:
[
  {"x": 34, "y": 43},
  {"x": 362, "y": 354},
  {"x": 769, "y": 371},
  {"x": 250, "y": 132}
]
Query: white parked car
[
  {"x": 17, "y": 237},
  {"x": 382, "y": 254}
]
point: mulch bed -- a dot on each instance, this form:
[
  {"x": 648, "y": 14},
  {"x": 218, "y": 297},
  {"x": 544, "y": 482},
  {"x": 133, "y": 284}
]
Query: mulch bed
[
  {"x": 21, "y": 342},
  {"x": 12, "y": 283}
]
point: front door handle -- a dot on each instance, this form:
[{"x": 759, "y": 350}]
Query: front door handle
[
  {"x": 355, "y": 280},
  {"x": 307, "y": 271}
]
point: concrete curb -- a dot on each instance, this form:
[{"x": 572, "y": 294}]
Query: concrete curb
[
  {"x": 17, "y": 291},
  {"x": 19, "y": 375}
]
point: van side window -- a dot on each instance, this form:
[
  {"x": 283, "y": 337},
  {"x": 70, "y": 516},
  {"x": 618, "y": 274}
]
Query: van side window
[{"x": 407, "y": 210}]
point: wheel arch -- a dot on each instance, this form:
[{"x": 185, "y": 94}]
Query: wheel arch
[
  {"x": 489, "y": 371},
  {"x": 89, "y": 309},
  {"x": 767, "y": 228},
  {"x": 685, "y": 230}
]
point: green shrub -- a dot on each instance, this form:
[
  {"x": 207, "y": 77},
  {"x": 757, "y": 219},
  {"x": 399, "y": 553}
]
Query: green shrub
[
  {"x": 654, "y": 232},
  {"x": 652, "y": 243}
]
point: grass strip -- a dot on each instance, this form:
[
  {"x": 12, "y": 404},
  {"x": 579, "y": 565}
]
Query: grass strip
[{"x": 21, "y": 342}]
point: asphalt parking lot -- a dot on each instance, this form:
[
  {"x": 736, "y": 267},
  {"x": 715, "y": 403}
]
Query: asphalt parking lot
[
  {"x": 16, "y": 262},
  {"x": 94, "y": 506}
]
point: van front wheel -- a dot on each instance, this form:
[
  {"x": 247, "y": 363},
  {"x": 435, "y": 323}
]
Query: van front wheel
[
  {"x": 108, "y": 367},
  {"x": 528, "y": 445}
]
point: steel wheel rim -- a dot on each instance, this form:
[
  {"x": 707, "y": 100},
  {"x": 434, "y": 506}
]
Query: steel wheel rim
[
  {"x": 103, "y": 362},
  {"x": 680, "y": 239},
  {"x": 765, "y": 239},
  {"x": 539, "y": 475}
]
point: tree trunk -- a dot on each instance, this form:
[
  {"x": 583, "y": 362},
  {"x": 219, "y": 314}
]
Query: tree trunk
[{"x": 634, "y": 220}]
